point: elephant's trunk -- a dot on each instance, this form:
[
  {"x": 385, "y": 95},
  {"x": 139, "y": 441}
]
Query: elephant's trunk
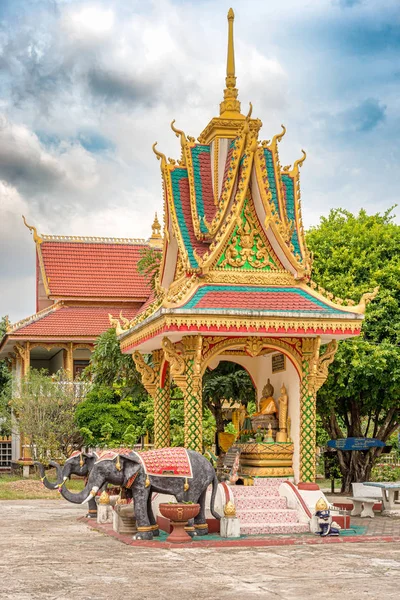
[
  {"x": 46, "y": 482},
  {"x": 90, "y": 490}
]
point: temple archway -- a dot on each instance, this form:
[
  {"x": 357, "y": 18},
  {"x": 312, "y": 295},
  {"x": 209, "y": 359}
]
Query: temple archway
[{"x": 260, "y": 369}]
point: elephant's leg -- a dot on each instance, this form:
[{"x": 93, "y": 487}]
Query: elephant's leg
[
  {"x": 190, "y": 530},
  {"x": 144, "y": 527},
  {"x": 200, "y": 523},
  {"x": 92, "y": 512},
  {"x": 152, "y": 519}
]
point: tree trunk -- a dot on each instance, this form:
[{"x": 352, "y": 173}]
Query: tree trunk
[{"x": 355, "y": 467}]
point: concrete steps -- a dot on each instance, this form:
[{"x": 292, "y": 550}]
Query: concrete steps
[
  {"x": 273, "y": 528},
  {"x": 261, "y": 510},
  {"x": 251, "y": 501},
  {"x": 265, "y": 515}
]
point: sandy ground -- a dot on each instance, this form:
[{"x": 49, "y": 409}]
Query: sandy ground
[{"x": 47, "y": 553}]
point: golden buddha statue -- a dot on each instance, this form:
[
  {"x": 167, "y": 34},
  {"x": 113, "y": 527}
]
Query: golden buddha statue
[
  {"x": 267, "y": 402},
  {"x": 281, "y": 435}
]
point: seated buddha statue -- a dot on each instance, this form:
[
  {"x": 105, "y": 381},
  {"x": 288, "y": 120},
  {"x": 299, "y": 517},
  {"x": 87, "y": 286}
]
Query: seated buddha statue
[{"x": 267, "y": 403}]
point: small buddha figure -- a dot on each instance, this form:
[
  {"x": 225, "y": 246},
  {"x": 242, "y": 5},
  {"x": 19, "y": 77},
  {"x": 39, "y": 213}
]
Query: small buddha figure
[
  {"x": 267, "y": 403},
  {"x": 281, "y": 436},
  {"x": 269, "y": 438}
]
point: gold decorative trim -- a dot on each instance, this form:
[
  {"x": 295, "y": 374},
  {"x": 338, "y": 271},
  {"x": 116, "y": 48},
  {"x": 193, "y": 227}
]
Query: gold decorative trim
[
  {"x": 78, "y": 239},
  {"x": 248, "y": 228},
  {"x": 216, "y": 171},
  {"x": 176, "y": 361},
  {"x": 227, "y": 128},
  {"x": 234, "y": 322},
  {"x": 229, "y": 183},
  {"x": 267, "y": 471}
]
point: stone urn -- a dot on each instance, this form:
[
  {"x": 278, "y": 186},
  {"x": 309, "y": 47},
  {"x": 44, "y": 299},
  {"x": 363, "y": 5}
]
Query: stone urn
[{"x": 179, "y": 514}]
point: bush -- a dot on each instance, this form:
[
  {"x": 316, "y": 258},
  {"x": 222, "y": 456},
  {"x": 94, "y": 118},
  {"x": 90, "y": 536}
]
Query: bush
[{"x": 385, "y": 472}]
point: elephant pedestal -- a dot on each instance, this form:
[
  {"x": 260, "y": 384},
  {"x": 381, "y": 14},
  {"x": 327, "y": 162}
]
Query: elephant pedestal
[
  {"x": 124, "y": 521},
  {"x": 230, "y": 527}
]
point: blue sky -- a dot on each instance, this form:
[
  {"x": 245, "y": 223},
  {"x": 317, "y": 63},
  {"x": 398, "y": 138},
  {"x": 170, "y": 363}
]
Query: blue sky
[{"x": 87, "y": 87}]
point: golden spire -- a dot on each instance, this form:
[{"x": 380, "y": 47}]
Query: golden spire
[
  {"x": 230, "y": 103},
  {"x": 156, "y": 239}
]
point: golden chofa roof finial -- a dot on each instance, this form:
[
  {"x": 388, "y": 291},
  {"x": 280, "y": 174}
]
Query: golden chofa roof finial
[
  {"x": 156, "y": 239},
  {"x": 36, "y": 238},
  {"x": 230, "y": 103}
]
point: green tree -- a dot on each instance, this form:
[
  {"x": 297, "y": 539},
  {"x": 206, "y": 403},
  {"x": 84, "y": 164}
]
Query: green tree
[
  {"x": 5, "y": 388},
  {"x": 149, "y": 264},
  {"x": 116, "y": 400},
  {"x": 228, "y": 382},
  {"x": 361, "y": 397},
  {"x": 106, "y": 414},
  {"x": 110, "y": 368},
  {"x": 45, "y": 408}
]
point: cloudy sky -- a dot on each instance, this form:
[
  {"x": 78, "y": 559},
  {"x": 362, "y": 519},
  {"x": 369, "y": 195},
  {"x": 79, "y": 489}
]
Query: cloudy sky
[{"x": 87, "y": 87}]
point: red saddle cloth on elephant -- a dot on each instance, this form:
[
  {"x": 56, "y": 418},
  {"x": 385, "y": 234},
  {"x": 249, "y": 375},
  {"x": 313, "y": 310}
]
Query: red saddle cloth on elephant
[{"x": 166, "y": 462}]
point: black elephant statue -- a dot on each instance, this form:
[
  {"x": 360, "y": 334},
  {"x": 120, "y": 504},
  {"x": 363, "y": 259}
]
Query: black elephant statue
[
  {"x": 182, "y": 473},
  {"x": 79, "y": 463}
]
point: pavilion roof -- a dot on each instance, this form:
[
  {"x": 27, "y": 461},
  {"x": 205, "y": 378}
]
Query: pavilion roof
[{"x": 268, "y": 300}]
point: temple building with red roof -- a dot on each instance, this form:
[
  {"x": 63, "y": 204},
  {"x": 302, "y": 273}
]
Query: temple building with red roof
[{"x": 80, "y": 282}]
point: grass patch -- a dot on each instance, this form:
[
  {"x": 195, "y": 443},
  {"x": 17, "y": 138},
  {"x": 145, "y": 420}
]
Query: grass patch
[{"x": 13, "y": 487}]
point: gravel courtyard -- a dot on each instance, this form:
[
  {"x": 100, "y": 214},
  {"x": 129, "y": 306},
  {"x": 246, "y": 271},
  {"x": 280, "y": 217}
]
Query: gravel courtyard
[{"x": 48, "y": 554}]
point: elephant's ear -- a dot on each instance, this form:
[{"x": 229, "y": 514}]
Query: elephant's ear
[
  {"x": 133, "y": 457},
  {"x": 131, "y": 466},
  {"x": 88, "y": 455}
]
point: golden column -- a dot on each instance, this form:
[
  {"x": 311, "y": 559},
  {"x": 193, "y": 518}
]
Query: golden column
[
  {"x": 185, "y": 369},
  {"x": 24, "y": 353},
  {"x": 151, "y": 379},
  {"x": 315, "y": 372}
]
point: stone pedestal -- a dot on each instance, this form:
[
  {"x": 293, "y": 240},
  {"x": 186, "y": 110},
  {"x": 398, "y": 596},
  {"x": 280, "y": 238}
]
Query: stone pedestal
[
  {"x": 230, "y": 527},
  {"x": 104, "y": 513},
  {"x": 266, "y": 459},
  {"x": 123, "y": 519}
]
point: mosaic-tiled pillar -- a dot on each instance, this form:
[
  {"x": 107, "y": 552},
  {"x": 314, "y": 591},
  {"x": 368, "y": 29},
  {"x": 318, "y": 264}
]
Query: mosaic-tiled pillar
[
  {"x": 315, "y": 372},
  {"x": 185, "y": 366},
  {"x": 308, "y": 410},
  {"x": 152, "y": 381},
  {"x": 162, "y": 438},
  {"x": 193, "y": 408}
]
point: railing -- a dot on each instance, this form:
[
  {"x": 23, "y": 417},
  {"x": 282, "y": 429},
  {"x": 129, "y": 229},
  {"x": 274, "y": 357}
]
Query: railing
[{"x": 392, "y": 458}]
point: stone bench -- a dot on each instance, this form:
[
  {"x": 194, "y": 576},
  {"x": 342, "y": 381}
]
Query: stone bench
[{"x": 364, "y": 498}]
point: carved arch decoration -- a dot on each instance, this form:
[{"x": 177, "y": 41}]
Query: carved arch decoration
[
  {"x": 83, "y": 347},
  {"x": 48, "y": 346},
  {"x": 254, "y": 346}
]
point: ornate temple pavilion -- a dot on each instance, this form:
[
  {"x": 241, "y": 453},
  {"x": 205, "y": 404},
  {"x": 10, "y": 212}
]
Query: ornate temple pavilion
[{"x": 235, "y": 282}]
